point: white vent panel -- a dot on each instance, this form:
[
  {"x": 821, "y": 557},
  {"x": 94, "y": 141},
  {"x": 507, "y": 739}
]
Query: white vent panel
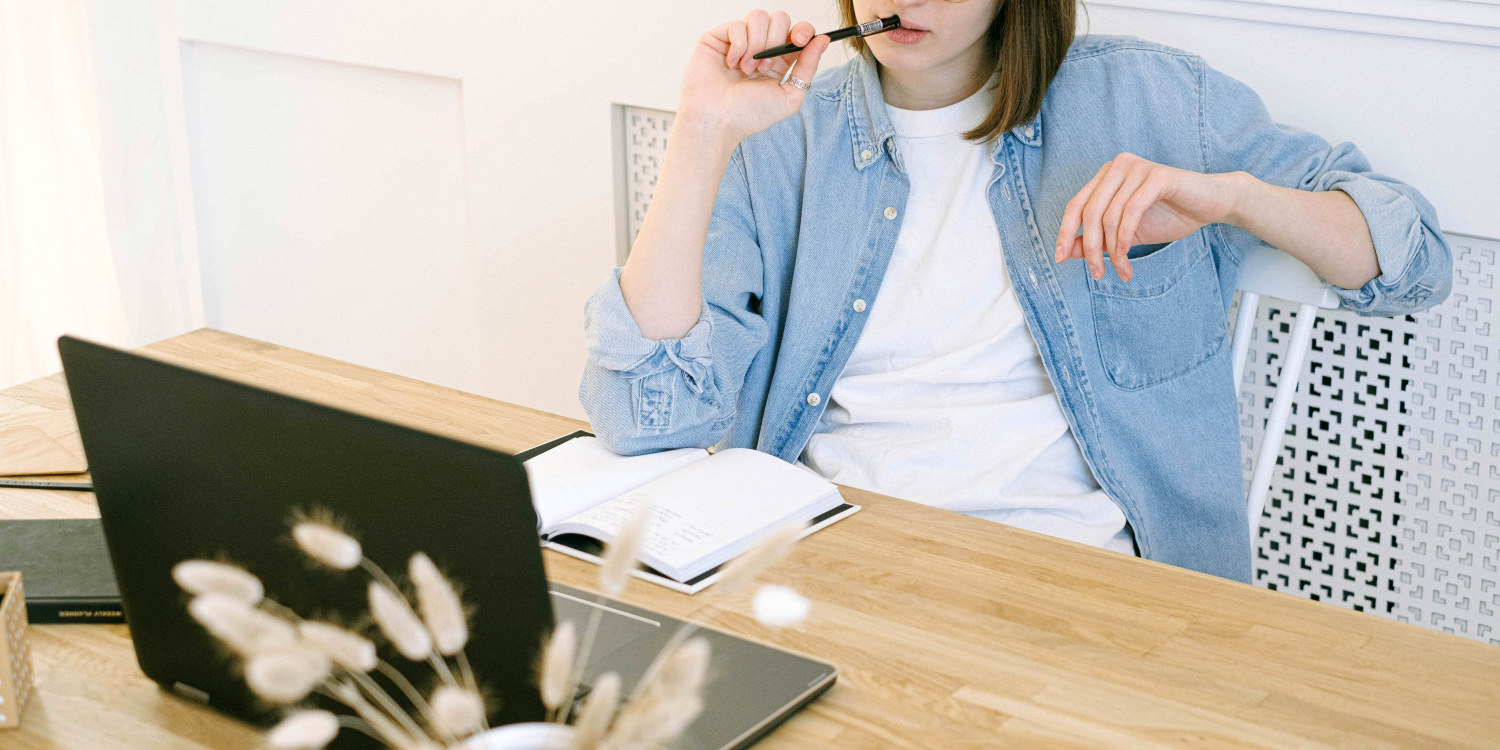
[{"x": 641, "y": 140}]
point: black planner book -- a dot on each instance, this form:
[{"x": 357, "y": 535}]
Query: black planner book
[{"x": 65, "y": 567}]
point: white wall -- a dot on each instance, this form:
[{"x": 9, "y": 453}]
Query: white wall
[
  {"x": 492, "y": 213},
  {"x": 332, "y": 207},
  {"x": 148, "y": 199}
]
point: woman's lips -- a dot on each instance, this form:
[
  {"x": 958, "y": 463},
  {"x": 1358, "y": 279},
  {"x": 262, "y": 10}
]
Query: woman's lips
[{"x": 906, "y": 35}]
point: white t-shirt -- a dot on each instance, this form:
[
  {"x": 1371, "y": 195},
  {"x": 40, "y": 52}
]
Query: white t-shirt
[{"x": 945, "y": 400}]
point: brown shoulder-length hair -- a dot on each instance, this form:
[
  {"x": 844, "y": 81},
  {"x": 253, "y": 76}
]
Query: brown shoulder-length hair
[{"x": 1027, "y": 43}]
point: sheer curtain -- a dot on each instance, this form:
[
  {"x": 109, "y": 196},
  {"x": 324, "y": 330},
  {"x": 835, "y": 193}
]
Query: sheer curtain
[{"x": 57, "y": 268}]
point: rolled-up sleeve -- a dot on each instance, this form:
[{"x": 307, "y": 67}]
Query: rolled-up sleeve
[
  {"x": 1416, "y": 265},
  {"x": 645, "y": 395}
]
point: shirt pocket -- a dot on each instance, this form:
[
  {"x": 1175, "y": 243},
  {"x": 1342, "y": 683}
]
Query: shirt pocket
[{"x": 1165, "y": 321}]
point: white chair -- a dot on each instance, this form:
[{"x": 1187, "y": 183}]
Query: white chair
[{"x": 1272, "y": 273}]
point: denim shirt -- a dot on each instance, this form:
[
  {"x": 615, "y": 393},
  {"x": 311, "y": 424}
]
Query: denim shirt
[{"x": 806, "y": 218}]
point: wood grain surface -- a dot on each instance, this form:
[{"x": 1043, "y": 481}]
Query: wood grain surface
[{"x": 949, "y": 632}]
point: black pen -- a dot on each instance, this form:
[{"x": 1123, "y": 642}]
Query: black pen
[
  {"x": 45, "y": 484},
  {"x": 867, "y": 28}
]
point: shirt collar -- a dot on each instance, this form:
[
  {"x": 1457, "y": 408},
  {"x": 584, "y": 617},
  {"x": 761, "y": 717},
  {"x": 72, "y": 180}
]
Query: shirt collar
[
  {"x": 870, "y": 128},
  {"x": 1029, "y": 133},
  {"x": 871, "y": 132}
]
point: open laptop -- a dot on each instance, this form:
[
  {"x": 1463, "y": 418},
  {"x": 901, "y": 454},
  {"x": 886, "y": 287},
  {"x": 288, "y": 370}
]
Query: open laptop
[{"x": 189, "y": 465}]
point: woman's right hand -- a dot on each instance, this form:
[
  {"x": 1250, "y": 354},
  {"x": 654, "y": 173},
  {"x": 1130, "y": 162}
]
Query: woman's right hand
[
  {"x": 727, "y": 96},
  {"x": 726, "y": 88}
]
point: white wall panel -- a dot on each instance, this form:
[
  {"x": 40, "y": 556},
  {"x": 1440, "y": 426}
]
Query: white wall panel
[{"x": 331, "y": 207}]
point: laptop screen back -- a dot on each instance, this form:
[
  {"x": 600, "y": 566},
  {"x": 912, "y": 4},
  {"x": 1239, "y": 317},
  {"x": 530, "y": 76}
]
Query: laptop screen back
[{"x": 187, "y": 465}]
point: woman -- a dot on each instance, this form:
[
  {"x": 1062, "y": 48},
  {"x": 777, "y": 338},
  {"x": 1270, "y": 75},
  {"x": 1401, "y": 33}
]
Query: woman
[{"x": 982, "y": 266}]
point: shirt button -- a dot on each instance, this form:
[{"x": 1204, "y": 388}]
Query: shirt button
[
  {"x": 865, "y": 155},
  {"x": 813, "y": 399},
  {"x": 890, "y": 212},
  {"x": 1029, "y": 131},
  {"x": 859, "y": 305}
]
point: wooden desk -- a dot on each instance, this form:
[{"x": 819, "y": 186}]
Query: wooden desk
[{"x": 949, "y": 632}]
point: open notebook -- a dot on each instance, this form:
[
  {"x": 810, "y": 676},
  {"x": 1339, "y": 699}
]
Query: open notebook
[{"x": 706, "y": 508}]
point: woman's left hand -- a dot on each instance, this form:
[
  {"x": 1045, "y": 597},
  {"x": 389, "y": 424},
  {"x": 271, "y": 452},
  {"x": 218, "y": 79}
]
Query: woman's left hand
[{"x": 1132, "y": 201}]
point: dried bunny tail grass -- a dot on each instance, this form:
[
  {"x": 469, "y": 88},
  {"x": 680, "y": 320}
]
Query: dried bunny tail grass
[
  {"x": 199, "y": 577},
  {"x": 442, "y": 610},
  {"x": 556, "y": 673},
  {"x": 458, "y": 711},
  {"x": 652, "y": 721},
  {"x": 685, "y": 670},
  {"x": 620, "y": 555},
  {"x": 780, "y": 606},
  {"x": 670, "y": 698},
  {"x": 398, "y": 622},
  {"x": 598, "y": 709},
  {"x": 388, "y": 731},
  {"x": 240, "y": 626},
  {"x": 672, "y": 717},
  {"x": 741, "y": 571},
  {"x": 347, "y": 649},
  {"x": 286, "y": 675},
  {"x": 327, "y": 544},
  {"x": 310, "y": 729}
]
